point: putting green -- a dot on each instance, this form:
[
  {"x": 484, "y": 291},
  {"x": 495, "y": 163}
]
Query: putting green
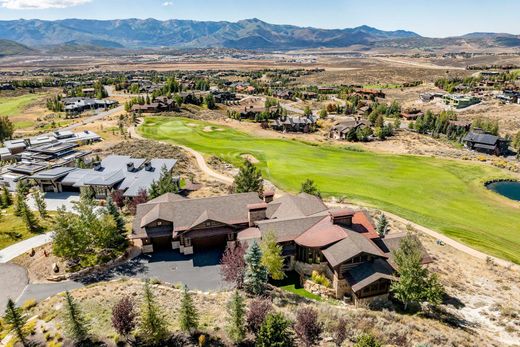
[{"x": 444, "y": 195}]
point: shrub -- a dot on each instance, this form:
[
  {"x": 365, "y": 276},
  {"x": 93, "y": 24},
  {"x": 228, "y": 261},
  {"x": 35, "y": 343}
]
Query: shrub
[
  {"x": 257, "y": 311},
  {"x": 275, "y": 332},
  {"x": 307, "y": 327},
  {"x": 318, "y": 278},
  {"x": 366, "y": 340},
  {"x": 28, "y": 304}
]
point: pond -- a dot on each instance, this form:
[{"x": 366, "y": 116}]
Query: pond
[{"x": 509, "y": 189}]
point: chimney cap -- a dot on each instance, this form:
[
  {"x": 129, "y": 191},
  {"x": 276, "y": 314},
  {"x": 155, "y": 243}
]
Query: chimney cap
[
  {"x": 269, "y": 193},
  {"x": 259, "y": 206}
]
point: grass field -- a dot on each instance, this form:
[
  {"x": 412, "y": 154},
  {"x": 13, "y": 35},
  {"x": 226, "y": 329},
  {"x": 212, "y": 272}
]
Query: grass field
[
  {"x": 13, "y": 229},
  {"x": 444, "y": 195},
  {"x": 10, "y": 106}
]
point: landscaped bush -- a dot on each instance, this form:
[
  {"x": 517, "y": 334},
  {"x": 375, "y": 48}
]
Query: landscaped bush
[
  {"x": 28, "y": 304},
  {"x": 318, "y": 278}
]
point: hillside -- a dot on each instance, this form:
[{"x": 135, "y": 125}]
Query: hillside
[
  {"x": 137, "y": 33},
  {"x": 8, "y": 47}
]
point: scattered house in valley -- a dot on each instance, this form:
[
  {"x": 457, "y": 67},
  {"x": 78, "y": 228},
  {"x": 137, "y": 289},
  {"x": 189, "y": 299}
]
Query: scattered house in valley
[
  {"x": 509, "y": 96},
  {"x": 284, "y": 94},
  {"x": 459, "y": 101},
  {"x": 427, "y": 97},
  {"x": 486, "y": 143},
  {"x": 77, "y": 105},
  {"x": 159, "y": 104},
  {"x": 342, "y": 129},
  {"x": 340, "y": 244},
  {"x": 412, "y": 114},
  {"x": 299, "y": 124},
  {"x": 114, "y": 172},
  {"x": 7, "y": 86},
  {"x": 223, "y": 96},
  {"x": 370, "y": 93},
  {"x": 309, "y": 95}
]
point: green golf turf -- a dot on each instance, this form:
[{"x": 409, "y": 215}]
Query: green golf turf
[{"x": 445, "y": 195}]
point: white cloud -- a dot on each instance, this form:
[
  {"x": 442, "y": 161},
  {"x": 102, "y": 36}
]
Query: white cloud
[
  {"x": 168, "y": 3},
  {"x": 40, "y": 4}
]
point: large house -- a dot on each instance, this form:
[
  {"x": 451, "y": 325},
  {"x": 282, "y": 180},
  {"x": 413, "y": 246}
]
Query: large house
[
  {"x": 115, "y": 172},
  {"x": 486, "y": 143},
  {"x": 341, "y": 244},
  {"x": 302, "y": 124},
  {"x": 342, "y": 130}
]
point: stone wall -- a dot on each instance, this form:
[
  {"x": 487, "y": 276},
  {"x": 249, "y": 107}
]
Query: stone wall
[{"x": 318, "y": 289}]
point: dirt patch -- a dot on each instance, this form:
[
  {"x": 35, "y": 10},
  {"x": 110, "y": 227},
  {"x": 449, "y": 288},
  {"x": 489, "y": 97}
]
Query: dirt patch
[{"x": 39, "y": 266}]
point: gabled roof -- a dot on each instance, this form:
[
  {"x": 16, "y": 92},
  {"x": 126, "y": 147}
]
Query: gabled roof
[
  {"x": 367, "y": 273},
  {"x": 486, "y": 139},
  {"x": 321, "y": 234},
  {"x": 288, "y": 229},
  {"x": 354, "y": 244},
  {"x": 155, "y": 214},
  {"x": 392, "y": 242},
  {"x": 301, "y": 205}
]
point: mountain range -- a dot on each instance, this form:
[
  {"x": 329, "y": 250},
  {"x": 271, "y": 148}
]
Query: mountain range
[{"x": 245, "y": 34}]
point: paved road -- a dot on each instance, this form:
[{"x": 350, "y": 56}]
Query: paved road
[
  {"x": 95, "y": 117},
  {"x": 200, "y": 272},
  {"x": 13, "y": 279},
  {"x": 24, "y": 246}
]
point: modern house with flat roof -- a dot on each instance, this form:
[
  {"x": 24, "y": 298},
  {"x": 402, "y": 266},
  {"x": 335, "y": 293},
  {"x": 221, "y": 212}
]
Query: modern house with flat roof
[
  {"x": 341, "y": 244},
  {"x": 115, "y": 172}
]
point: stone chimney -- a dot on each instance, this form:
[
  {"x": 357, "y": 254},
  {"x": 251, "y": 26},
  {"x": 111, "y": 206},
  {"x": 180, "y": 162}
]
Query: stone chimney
[
  {"x": 268, "y": 196},
  {"x": 256, "y": 212}
]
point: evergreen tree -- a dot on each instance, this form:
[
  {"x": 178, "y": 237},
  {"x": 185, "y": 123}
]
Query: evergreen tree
[
  {"x": 272, "y": 257},
  {"x": 30, "y": 221},
  {"x": 16, "y": 321},
  {"x": 116, "y": 215},
  {"x": 21, "y": 192},
  {"x": 309, "y": 187},
  {"x": 6, "y": 129},
  {"x": 152, "y": 326},
  {"x": 7, "y": 200},
  {"x": 236, "y": 321},
  {"x": 249, "y": 179},
  {"x": 415, "y": 283},
  {"x": 41, "y": 205},
  {"x": 382, "y": 225},
  {"x": 165, "y": 184},
  {"x": 275, "y": 332},
  {"x": 209, "y": 100},
  {"x": 188, "y": 315},
  {"x": 255, "y": 276},
  {"x": 76, "y": 325}
]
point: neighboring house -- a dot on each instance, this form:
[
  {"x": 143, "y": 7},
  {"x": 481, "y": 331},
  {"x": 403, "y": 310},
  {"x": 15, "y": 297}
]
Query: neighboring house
[
  {"x": 114, "y": 172},
  {"x": 223, "y": 96},
  {"x": 35, "y": 154},
  {"x": 459, "y": 101},
  {"x": 371, "y": 93},
  {"x": 412, "y": 114},
  {"x": 342, "y": 130},
  {"x": 284, "y": 94},
  {"x": 341, "y": 244},
  {"x": 486, "y": 143},
  {"x": 75, "y": 106},
  {"x": 160, "y": 104},
  {"x": 295, "y": 124}
]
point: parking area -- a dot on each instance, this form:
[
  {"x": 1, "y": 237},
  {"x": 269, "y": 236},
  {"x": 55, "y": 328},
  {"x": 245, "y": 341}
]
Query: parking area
[
  {"x": 13, "y": 279},
  {"x": 200, "y": 271},
  {"x": 57, "y": 200}
]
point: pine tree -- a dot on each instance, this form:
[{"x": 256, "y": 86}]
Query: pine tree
[
  {"x": 248, "y": 179},
  {"x": 255, "y": 276},
  {"x": 275, "y": 332},
  {"x": 382, "y": 225},
  {"x": 236, "y": 321},
  {"x": 118, "y": 218},
  {"x": 309, "y": 187},
  {"x": 30, "y": 221},
  {"x": 41, "y": 205},
  {"x": 16, "y": 320},
  {"x": 165, "y": 184},
  {"x": 7, "y": 200},
  {"x": 153, "y": 325},
  {"x": 272, "y": 257},
  {"x": 76, "y": 325},
  {"x": 188, "y": 315}
]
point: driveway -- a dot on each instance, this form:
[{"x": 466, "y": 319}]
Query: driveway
[
  {"x": 57, "y": 200},
  {"x": 200, "y": 271},
  {"x": 13, "y": 279}
]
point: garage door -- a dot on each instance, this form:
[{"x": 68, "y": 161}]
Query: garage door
[
  {"x": 162, "y": 243},
  {"x": 209, "y": 242}
]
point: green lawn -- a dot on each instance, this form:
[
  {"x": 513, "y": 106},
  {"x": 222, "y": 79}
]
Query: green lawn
[
  {"x": 13, "y": 229},
  {"x": 445, "y": 195},
  {"x": 10, "y": 106},
  {"x": 291, "y": 283}
]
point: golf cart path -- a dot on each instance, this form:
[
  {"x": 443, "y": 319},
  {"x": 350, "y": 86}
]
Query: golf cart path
[{"x": 447, "y": 240}]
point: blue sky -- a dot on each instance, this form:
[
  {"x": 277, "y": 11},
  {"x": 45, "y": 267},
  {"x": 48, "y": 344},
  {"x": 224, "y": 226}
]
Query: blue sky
[{"x": 437, "y": 18}]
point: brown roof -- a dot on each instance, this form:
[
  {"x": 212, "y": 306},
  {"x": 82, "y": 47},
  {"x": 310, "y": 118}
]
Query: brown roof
[
  {"x": 186, "y": 213},
  {"x": 354, "y": 244},
  {"x": 321, "y": 234},
  {"x": 291, "y": 206},
  {"x": 288, "y": 229},
  {"x": 362, "y": 223},
  {"x": 367, "y": 273},
  {"x": 392, "y": 242}
]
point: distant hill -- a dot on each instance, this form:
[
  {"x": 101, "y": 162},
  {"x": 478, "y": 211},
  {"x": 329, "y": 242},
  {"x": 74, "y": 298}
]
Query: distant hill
[
  {"x": 151, "y": 33},
  {"x": 8, "y": 47}
]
